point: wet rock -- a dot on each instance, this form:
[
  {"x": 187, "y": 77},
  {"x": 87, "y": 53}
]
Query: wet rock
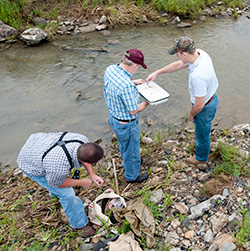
[
  {"x": 101, "y": 27},
  {"x": 33, "y": 36},
  {"x": 85, "y": 28},
  {"x": 6, "y": 32},
  {"x": 110, "y": 42},
  {"x": 176, "y": 20},
  {"x": 144, "y": 19},
  {"x": 183, "y": 25}
]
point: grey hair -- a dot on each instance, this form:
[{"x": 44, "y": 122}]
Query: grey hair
[{"x": 126, "y": 61}]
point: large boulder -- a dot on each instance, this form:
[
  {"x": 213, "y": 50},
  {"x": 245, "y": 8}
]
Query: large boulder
[
  {"x": 7, "y": 32},
  {"x": 33, "y": 36}
]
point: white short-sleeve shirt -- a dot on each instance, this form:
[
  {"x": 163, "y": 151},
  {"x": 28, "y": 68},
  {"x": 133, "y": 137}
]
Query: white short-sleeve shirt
[{"x": 202, "y": 77}]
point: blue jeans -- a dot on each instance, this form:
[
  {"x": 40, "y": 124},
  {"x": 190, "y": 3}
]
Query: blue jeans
[
  {"x": 128, "y": 137},
  {"x": 203, "y": 124},
  {"x": 72, "y": 205}
]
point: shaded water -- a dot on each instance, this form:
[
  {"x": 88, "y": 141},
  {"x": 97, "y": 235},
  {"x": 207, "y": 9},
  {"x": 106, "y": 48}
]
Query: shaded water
[{"x": 39, "y": 84}]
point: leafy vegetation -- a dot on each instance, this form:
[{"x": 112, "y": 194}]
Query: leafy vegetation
[
  {"x": 20, "y": 13},
  {"x": 10, "y": 12}
]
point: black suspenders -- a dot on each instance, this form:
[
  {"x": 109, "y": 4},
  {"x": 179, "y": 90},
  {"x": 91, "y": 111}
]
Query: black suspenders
[{"x": 62, "y": 144}]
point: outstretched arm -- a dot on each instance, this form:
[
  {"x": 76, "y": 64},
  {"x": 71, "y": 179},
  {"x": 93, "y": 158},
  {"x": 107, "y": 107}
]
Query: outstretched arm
[{"x": 175, "y": 66}]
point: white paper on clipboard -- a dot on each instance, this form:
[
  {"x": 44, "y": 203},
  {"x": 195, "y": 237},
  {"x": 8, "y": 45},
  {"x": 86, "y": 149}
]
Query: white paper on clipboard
[{"x": 153, "y": 93}]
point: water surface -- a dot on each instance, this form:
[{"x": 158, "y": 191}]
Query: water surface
[{"x": 39, "y": 84}]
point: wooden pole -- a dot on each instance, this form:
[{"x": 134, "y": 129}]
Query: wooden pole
[{"x": 116, "y": 181}]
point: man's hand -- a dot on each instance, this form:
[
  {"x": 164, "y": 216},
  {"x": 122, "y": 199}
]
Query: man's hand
[
  {"x": 138, "y": 81},
  {"x": 151, "y": 77},
  {"x": 190, "y": 117},
  {"x": 97, "y": 180}
]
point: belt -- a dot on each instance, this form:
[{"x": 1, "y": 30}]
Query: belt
[
  {"x": 209, "y": 100},
  {"x": 124, "y": 120}
]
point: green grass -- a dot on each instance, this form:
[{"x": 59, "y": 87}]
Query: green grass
[
  {"x": 10, "y": 12},
  {"x": 232, "y": 161},
  {"x": 242, "y": 237}
]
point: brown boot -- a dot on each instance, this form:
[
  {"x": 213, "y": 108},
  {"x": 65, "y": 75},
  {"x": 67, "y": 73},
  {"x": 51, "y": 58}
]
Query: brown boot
[
  {"x": 86, "y": 231},
  {"x": 192, "y": 160}
]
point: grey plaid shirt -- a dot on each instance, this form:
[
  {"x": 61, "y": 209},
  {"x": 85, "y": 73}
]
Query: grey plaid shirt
[{"x": 55, "y": 166}]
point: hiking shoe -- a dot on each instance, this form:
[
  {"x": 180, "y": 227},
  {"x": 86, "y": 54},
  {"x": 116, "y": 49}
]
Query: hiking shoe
[
  {"x": 85, "y": 231},
  {"x": 140, "y": 178},
  {"x": 192, "y": 160}
]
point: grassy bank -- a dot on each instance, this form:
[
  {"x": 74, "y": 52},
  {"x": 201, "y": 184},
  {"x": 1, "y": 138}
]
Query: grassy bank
[
  {"x": 20, "y": 13},
  {"x": 32, "y": 220}
]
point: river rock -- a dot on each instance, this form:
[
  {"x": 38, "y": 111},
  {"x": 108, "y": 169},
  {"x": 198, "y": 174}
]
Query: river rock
[
  {"x": 198, "y": 210},
  {"x": 181, "y": 207},
  {"x": 172, "y": 238},
  {"x": 33, "y": 36},
  {"x": 228, "y": 246},
  {"x": 157, "y": 196},
  {"x": 147, "y": 140},
  {"x": 222, "y": 238},
  {"x": 183, "y": 25},
  {"x": 7, "y": 32},
  {"x": 103, "y": 19},
  {"x": 214, "y": 247},
  {"x": 209, "y": 237},
  {"x": 40, "y": 21},
  {"x": 101, "y": 27},
  {"x": 208, "y": 11}
]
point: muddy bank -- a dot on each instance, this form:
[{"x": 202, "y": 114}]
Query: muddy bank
[{"x": 195, "y": 207}]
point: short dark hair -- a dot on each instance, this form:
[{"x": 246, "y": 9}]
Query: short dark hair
[{"x": 90, "y": 152}]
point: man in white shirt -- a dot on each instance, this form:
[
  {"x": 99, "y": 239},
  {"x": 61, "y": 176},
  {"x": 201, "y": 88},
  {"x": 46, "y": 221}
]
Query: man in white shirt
[{"x": 203, "y": 85}]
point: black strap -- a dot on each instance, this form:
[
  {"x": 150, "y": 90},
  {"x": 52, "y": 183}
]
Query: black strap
[{"x": 62, "y": 144}]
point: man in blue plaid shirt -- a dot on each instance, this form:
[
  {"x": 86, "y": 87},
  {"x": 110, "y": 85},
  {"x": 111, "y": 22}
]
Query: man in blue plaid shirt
[
  {"x": 123, "y": 101},
  {"x": 43, "y": 159}
]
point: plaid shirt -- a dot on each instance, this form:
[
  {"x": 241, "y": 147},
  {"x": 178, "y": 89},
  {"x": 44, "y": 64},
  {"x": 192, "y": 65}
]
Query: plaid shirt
[
  {"x": 55, "y": 166},
  {"x": 120, "y": 93}
]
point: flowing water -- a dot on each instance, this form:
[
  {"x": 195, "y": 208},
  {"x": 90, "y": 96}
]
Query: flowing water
[{"x": 39, "y": 84}]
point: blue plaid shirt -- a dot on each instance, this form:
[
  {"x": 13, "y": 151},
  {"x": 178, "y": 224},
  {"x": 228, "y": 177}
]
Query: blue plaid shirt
[
  {"x": 120, "y": 93},
  {"x": 55, "y": 166}
]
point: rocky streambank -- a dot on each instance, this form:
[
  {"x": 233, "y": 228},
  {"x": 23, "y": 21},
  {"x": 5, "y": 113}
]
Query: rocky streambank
[
  {"x": 195, "y": 207},
  {"x": 76, "y": 21}
]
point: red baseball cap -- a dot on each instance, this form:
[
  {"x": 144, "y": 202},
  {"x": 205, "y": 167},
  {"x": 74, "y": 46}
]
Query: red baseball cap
[{"x": 137, "y": 57}]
